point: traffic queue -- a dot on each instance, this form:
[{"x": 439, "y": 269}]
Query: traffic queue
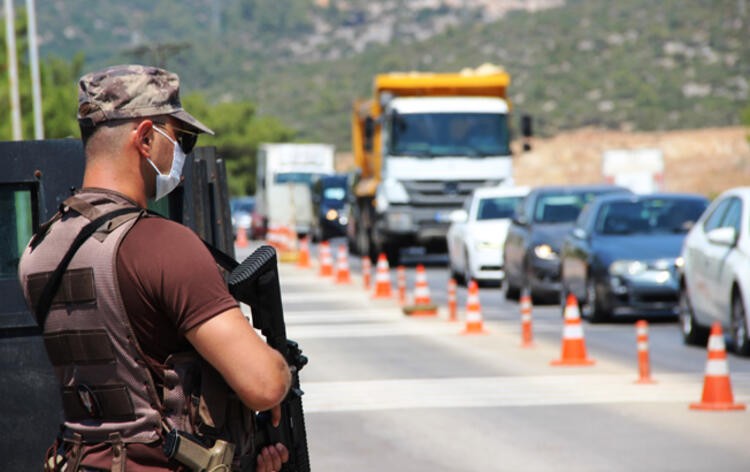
[{"x": 661, "y": 255}]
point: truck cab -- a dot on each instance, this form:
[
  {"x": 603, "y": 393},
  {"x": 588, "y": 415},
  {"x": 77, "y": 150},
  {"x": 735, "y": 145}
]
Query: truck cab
[
  {"x": 422, "y": 145},
  {"x": 437, "y": 150}
]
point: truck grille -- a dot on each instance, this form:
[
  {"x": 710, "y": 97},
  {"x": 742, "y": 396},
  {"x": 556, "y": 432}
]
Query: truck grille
[{"x": 440, "y": 193}]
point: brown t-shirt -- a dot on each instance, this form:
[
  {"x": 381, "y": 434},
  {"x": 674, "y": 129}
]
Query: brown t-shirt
[{"x": 169, "y": 284}]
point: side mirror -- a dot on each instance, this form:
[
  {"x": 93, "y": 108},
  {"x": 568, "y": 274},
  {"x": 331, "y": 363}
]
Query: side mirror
[
  {"x": 520, "y": 220},
  {"x": 459, "y": 216},
  {"x": 723, "y": 236},
  {"x": 527, "y": 131},
  {"x": 579, "y": 233},
  {"x": 369, "y": 133}
]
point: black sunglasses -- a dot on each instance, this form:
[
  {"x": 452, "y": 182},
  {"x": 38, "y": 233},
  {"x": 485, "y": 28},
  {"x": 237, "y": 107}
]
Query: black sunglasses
[{"x": 185, "y": 138}]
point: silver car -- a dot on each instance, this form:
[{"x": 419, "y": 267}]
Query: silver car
[{"x": 715, "y": 283}]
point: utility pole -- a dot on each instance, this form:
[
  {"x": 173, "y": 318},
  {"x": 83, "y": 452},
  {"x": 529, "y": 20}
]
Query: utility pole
[
  {"x": 36, "y": 89},
  {"x": 15, "y": 101}
]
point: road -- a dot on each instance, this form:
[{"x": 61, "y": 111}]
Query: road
[{"x": 384, "y": 391}]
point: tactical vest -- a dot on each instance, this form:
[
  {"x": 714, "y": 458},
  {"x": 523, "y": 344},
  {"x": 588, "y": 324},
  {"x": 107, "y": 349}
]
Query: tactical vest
[{"x": 108, "y": 392}]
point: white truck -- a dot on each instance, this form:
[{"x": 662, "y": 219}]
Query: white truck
[
  {"x": 422, "y": 144},
  {"x": 285, "y": 172}
]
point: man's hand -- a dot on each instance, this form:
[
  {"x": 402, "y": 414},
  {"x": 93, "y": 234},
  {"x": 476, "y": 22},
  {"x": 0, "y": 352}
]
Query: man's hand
[{"x": 271, "y": 458}]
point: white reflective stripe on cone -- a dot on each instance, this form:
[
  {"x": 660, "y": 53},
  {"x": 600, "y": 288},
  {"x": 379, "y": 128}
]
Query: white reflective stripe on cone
[
  {"x": 642, "y": 346},
  {"x": 716, "y": 343},
  {"x": 716, "y": 367},
  {"x": 573, "y": 331}
]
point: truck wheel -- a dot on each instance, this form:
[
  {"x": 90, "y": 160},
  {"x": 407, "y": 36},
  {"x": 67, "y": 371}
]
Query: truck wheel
[
  {"x": 692, "y": 333},
  {"x": 393, "y": 253}
]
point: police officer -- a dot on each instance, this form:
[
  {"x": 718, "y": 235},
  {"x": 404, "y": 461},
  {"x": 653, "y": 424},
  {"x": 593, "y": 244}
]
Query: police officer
[{"x": 143, "y": 335}]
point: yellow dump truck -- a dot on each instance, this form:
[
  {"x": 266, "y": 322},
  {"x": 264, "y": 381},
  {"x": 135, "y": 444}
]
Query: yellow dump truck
[{"x": 422, "y": 144}]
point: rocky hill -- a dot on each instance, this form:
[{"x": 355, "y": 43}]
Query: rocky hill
[{"x": 637, "y": 65}]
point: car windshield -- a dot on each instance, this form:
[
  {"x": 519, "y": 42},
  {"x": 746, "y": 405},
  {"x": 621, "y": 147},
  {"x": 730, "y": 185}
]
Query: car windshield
[
  {"x": 495, "y": 208},
  {"x": 245, "y": 206},
  {"x": 561, "y": 207},
  {"x": 450, "y": 134},
  {"x": 658, "y": 215}
]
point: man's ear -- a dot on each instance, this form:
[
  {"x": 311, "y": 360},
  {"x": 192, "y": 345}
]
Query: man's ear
[{"x": 143, "y": 137}]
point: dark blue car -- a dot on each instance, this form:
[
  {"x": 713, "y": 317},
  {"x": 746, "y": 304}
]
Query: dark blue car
[
  {"x": 621, "y": 257},
  {"x": 330, "y": 195}
]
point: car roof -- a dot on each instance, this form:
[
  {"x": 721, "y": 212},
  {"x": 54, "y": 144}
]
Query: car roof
[
  {"x": 501, "y": 191},
  {"x": 570, "y": 189},
  {"x": 739, "y": 191},
  {"x": 650, "y": 196}
]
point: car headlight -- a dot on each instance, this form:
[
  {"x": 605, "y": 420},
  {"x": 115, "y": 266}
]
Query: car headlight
[
  {"x": 332, "y": 214},
  {"x": 627, "y": 268},
  {"x": 679, "y": 263},
  {"x": 545, "y": 251},
  {"x": 487, "y": 245}
]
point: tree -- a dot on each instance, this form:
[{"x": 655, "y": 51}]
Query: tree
[{"x": 239, "y": 131}]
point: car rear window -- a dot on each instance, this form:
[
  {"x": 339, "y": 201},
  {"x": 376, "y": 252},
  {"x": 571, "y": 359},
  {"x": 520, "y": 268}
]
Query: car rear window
[
  {"x": 657, "y": 215},
  {"x": 497, "y": 208}
]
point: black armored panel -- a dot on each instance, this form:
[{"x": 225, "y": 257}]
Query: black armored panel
[{"x": 36, "y": 177}]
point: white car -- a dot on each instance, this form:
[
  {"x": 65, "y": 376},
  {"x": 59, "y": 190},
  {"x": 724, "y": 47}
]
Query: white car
[
  {"x": 477, "y": 233},
  {"x": 716, "y": 272}
]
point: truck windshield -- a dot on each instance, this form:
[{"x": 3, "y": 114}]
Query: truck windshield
[{"x": 449, "y": 134}]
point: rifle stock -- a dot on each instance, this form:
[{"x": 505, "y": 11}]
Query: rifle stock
[{"x": 255, "y": 282}]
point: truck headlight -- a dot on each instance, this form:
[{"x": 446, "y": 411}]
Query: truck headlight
[
  {"x": 394, "y": 191},
  {"x": 545, "y": 251},
  {"x": 332, "y": 214},
  {"x": 626, "y": 267}
]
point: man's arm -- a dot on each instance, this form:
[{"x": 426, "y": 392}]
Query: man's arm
[{"x": 255, "y": 371}]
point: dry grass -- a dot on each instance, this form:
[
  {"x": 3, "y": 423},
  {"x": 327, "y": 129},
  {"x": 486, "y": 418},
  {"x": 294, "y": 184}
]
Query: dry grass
[{"x": 706, "y": 161}]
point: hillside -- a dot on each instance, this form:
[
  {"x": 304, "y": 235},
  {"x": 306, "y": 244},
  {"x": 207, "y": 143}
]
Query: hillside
[{"x": 637, "y": 65}]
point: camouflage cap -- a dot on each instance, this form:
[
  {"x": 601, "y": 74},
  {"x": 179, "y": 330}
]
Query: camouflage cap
[{"x": 131, "y": 91}]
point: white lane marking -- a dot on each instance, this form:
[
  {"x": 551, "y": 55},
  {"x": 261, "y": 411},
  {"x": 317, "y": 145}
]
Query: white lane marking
[
  {"x": 365, "y": 330},
  {"x": 337, "y": 316},
  {"x": 478, "y": 392}
]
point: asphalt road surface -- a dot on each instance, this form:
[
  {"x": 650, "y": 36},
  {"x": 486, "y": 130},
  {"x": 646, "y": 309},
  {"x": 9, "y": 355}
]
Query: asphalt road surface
[{"x": 384, "y": 391}]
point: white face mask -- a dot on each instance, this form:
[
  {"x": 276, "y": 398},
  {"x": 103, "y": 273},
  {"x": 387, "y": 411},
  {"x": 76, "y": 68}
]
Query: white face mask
[{"x": 167, "y": 183}]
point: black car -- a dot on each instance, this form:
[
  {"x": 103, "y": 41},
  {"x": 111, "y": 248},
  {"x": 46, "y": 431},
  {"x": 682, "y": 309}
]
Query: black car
[
  {"x": 532, "y": 247},
  {"x": 330, "y": 206},
  {"x": 621, "y": 256}
]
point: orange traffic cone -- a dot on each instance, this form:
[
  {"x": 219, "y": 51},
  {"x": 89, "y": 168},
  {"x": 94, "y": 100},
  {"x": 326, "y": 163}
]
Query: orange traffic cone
[
  {"x": 272, "y": 237},
  {"x": 422, "y": 303},
  {"x": 304, "y": 254},
  {"x": 644, "y": 363},
  {"x": 366, "y": 271},
  {"x": 401, "y": 284},
  {"x": 325, "y": 260},
  {"x": 474, "y": 322},
  {"x": 288, "y": 244},
  {"x": 573, "y": 344},
  {"x": 527, "y": 335},
  {"x": 383, "y": 287},
  {"x": 241, "y": 240},
  {"x": 717, "y": 389},
  {"x": 452, "y": 300},
  {"x": 342, "y": 266}
]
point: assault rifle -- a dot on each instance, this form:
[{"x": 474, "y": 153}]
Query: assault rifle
[{"x": 255, "y": 282}]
